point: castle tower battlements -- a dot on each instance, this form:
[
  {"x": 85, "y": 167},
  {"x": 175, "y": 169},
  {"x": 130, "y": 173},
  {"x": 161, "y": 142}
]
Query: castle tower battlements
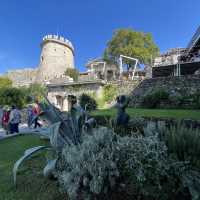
[
  {"x": 57, "y": 39},
  {"x": 57, "y": 54}
]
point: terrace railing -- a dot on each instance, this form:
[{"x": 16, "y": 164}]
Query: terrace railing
[{"x": 194, "y": 39}]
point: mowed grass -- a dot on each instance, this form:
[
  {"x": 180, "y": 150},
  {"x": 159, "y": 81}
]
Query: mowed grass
[
  {"x": 159, "y": 113},
  {"x": 31, "y": 185}
]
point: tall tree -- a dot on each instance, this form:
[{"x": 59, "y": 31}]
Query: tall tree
[{"x": 131, "y": 43}]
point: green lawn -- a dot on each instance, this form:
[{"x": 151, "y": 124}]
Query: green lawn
[
  {"x": 160, "y": 113},
  {"x": 31, "y": 183}
]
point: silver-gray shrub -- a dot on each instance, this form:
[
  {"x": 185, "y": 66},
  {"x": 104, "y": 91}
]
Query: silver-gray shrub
[
  {"x": 146, "y": 165},
  {"x": 91, "y": 167},
  {"x": 103, "y": 160}
]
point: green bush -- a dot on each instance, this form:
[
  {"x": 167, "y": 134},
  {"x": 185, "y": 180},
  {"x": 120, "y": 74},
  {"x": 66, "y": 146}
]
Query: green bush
[
  {"x": 155, "y": 98},
  {"x": 177, "y": 101},
  {"x": 149, "y": 169},
  {"x": 5, "y": 82},
  {"x": 109, "y": 93},
  {"x": 37, "y": 91},
  {"x": 12, "y": 96},
  {"x": 184, "y": 100},
  {"x": 196, "y": 100},
  {"x": 21, "y": 96},
  {"x": 161, "y": 98},
  {"x": 88, "y": 102}
]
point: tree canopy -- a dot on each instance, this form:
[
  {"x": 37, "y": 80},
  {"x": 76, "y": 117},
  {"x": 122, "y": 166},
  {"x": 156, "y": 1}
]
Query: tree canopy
[
  {"x": 131, "y": 43},
  {"x": 21, "y": 96},
  {"x": 5, "y": 82},
  {"x": 12, "y": 96},
  {"x": 34, "y": 91}
]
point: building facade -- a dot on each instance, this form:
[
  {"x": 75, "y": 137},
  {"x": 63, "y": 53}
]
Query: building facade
[
  {"x": 58, "y": 91},
  {"x": 22, "y": 77},
  {"x": 179, "y": 61},
  {"x": 99, "y": 69}
]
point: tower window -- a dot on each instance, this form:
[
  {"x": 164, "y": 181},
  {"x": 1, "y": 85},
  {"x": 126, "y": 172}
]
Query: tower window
[{"x": 42, "y": 58}]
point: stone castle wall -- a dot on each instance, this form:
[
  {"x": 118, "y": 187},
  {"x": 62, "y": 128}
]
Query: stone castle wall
[
  {"x": 23, "y": 77},
  {"x": 57, "y": 55}
]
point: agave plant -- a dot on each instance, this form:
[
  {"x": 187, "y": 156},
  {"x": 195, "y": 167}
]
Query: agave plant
[{"x": 65, "y": 129}]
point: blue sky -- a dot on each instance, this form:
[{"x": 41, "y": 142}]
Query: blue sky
[{"x": 89, "y": 24}]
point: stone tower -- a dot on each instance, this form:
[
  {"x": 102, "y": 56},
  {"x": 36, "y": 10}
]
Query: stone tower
[{"x": 57, "y": 55}]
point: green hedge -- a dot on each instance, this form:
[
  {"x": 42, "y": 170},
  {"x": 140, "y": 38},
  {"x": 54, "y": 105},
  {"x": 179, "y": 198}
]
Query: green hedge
[
  {"x": 160, "y": 98},
  {"x": 155, "y": 99}
]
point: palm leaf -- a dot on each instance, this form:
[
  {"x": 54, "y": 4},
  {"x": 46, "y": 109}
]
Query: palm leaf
[
  {"x": 69, "y": 128},
  {"x": 54, "y": 115}
]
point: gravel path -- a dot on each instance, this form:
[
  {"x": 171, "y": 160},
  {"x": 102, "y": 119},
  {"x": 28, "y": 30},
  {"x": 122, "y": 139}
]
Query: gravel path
[{"x": 23, "y": 129}]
